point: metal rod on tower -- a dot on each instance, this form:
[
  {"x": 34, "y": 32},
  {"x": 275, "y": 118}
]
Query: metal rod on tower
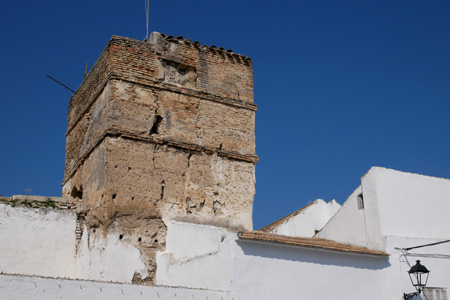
[{"x": 61, "y": 84}]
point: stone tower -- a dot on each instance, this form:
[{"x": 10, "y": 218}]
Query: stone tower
[{"x": 162, "y": 130}]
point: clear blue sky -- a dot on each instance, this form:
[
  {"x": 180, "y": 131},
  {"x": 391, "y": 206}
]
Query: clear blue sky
[{"x": 341, "y": 86}]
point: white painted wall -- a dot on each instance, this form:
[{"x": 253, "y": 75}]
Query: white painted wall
[
  {"x": 411, "y": 204},
  {"x": 108, "y": 258},
  {"x": 312, "y": 218},
  {"x": 37, "y": 288},
  {"x": 42, "y": 242},
  {"x": 375, "y": 238},
  {"x": 270, "y": 271},
  {"x": 197, "y": 256},
  {"x": 37, "y": 241},
  {"x": 349, "y": 224}
]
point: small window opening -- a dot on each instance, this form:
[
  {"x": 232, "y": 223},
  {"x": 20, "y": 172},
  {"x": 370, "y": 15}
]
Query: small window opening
[
  {"x": 155, "y": 127},
  {"x": 360, "y": 201},
  {"x": 120, "y": 236},
  {"x": 77, "y": 192}
]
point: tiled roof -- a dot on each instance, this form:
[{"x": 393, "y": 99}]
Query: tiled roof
[
  {"x": 277, "y": 223},
  {"x": 307, "y": 242}
]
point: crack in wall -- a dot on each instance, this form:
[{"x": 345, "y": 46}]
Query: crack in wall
[
  {"x": 199, "y": 257},
  {"x": 189, "y": 160},
  {"x": 162, "y": 190}
]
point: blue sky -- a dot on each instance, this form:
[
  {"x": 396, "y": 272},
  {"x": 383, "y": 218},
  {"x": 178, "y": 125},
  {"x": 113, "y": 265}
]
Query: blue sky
[{"x": 340, "y": 86}]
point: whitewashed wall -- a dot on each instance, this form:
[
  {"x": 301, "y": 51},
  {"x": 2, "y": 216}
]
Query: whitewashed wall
[
  {"x": 412, "y": 205},
  {"x": 270, "y": 271},
  {"x": 37, "y": 241},
  {"x": 197, "y": 256},
  {"x": 107, "y": 258},
  {"x": 356, "y": 226},
  {"x": 36, "y": 288},
  {"x": 312, "y": 218}
]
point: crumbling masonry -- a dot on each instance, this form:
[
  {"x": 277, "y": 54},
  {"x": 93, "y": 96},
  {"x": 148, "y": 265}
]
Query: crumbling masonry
[{"x": 161, "y": 130}]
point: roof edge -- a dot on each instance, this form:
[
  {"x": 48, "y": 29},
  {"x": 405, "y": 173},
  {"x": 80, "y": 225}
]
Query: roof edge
[
  {"x": 315, "y": 243},
  {"x": 284, "y": 219}
]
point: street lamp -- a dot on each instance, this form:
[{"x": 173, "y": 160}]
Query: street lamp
[{"x": 419, "y": 277}]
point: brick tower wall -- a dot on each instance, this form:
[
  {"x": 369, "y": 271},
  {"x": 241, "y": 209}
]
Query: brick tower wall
[{"x": 162, "y": 130}]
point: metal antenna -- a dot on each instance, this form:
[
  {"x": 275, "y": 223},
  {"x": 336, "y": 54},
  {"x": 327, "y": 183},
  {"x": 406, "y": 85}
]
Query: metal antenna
[
  {"x": 73, "y": 92},
  {"x": 147, "y": 10}
]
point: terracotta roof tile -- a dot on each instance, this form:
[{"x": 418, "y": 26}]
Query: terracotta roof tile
[{"x": 307, "y": 242}]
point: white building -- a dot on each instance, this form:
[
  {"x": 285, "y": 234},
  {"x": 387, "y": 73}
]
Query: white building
[
  {"x": 361, "y": 252},
  {"x": 389, "y": 212}
]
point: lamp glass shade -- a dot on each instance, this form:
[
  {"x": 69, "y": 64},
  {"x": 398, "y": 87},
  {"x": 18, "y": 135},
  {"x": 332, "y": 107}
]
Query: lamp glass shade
[{"x": 418, "y": 275}]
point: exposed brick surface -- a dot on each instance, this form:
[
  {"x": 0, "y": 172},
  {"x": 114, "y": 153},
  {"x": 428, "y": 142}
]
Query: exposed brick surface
[
  {"x": 162, "y": 130},
  {"x": 221, "y": 99}
]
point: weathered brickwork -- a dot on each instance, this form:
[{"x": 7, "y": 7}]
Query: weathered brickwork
[{"x": 162, "y": 130}]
